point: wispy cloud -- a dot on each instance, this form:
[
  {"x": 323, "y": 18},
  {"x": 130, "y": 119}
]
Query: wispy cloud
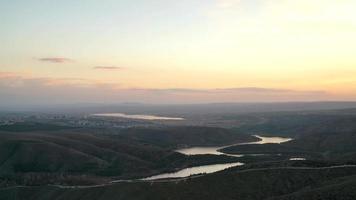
[
  {"x": 262, "y": 90},
  {"x": 240, "y": 93},
  {"x": 107, "y": 68},
  {"x": 55, "y": 59},
  {"x": 26, "y": 88}
]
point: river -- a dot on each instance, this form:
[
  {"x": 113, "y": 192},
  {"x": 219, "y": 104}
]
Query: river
[
  {"x": 206, "y": 169},
  {"x": 215, "y": 150}
]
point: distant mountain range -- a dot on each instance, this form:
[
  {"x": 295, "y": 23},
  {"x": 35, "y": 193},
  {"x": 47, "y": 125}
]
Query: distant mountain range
[{"x": 212, "y": 108}]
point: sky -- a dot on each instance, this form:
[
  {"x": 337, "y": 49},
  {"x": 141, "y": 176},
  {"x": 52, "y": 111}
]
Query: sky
[{"x": 169, "y": 51}]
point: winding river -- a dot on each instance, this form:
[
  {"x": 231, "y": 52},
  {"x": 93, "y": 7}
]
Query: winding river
[
  {"x": 206, "y": 169},
  {"x": 215, "y": 150}
]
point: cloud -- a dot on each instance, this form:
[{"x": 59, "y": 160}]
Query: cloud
[
  {"x": 270, "y": 90},
  {"x": 107, "y": 68},
  {"x": 21, "y": 89},
  {"x": 22, "y": 80},
  {"x": 9, "y": 75},
  {"x": 55, "y": 59},
  {"x": 255, "y": 89},
  {"x": 243, "y": 91}
]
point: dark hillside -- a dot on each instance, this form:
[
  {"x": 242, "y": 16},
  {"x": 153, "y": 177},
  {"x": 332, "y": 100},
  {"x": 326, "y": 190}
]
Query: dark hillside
[
  {"x": 66, "y": 156},
  {"x": 296, "y": 124},
  {"x": 254, "y": 184},
  {"x": 174, "y": 137}
]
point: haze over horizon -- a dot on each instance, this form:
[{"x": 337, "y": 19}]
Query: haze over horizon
[{"x": 201, "y": 51}]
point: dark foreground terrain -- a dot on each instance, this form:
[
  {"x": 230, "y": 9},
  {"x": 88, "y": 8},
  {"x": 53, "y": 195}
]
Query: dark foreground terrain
[
  {"x": 266, "y": 182},
  {"x": 59, "y": 162},
  {"x": 86, "y": 157}
]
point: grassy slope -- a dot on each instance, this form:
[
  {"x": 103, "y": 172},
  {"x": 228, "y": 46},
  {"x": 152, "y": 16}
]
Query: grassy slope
[
  {"x": 32, "y": 126},
  {"x": 332, "y": 137},
  {"x": 343, "y": 188},
  {"x": 230, "y": 184},
  {"x": 173, "y": 137},
  {"x": 43, "y": 157},
  {"x": 294, "y": 124}
]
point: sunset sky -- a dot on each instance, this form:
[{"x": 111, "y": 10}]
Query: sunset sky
[{"x": 177, "y": 51}]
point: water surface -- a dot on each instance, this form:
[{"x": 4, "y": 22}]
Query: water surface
[
  {"x": 193, "y": 171},
  {"x": 215, "y": 150},
  {"x": 296, "y": 159},
  {"x": 269, "y": 140},
  {"x": 143, "y": 117},
  {"x": 206, "y": 169},
  {"x": 200, "y": 151}
]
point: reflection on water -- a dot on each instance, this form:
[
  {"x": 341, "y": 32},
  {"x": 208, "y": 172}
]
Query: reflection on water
[
  {"x": 200, "y": 151},
  {"x": 212, "y": 150},
  {"x": 144, "y": 117},
  {"x": 215, "y": 150},
  {"x": 193, "y": 171},
  {"x": 297, "y": 159},
  {"x": 269, "y": 140}
]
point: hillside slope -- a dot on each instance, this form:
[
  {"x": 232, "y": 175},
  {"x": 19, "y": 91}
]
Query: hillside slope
[
  {"x": 42, "y": 157},
  {"x": 253, "y": 184}
]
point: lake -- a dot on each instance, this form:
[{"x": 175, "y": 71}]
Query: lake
[
  {"x": 141, "y": 116},
  {"x": 215, "y": 150},
  {"x": 206, "y": 169},
  {"x": 194, "y": 171}
]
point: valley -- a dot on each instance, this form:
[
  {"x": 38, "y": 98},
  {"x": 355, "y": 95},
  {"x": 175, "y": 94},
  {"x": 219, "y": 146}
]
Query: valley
[{"x": 52, "y": 159}]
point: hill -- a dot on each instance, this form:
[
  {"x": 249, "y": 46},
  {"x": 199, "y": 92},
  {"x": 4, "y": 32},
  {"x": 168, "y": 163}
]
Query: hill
[
  {"x": 284, "y": 182},
  {"x": 82, "y": 156}
]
